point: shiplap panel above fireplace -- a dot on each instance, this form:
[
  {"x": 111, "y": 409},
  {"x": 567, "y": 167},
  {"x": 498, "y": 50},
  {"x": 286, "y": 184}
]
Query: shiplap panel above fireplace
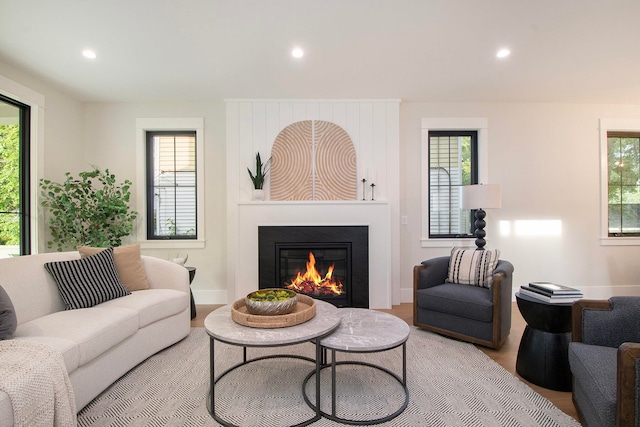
[{"x": 372, "y": 125}]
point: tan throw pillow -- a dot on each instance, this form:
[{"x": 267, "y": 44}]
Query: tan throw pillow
[{"x": 128, "y": 264}]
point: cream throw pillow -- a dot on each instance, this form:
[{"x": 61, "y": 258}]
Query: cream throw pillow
[
  {"x": 472, "y": 267},
  {"x": 128, "y": 264}
]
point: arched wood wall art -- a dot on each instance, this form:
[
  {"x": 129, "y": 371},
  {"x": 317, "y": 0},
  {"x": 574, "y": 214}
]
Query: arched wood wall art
[{"x": 313, "y": 160}]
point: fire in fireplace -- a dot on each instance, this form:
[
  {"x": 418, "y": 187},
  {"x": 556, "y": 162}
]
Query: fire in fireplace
[
  {"x": 312, "y": 280},
  {"x": 324, "y": 262},
  {"x": 317, "y": 269}
]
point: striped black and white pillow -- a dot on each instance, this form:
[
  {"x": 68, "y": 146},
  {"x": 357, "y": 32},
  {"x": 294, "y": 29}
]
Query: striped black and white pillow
[
  {"x": 87, "y": 281},
  {"x": 472, "y": 266}
]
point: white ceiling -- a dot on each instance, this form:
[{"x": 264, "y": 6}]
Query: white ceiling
[{"x": 414, "y": 50}]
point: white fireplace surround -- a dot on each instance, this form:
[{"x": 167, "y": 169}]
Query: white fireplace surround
[
  {"x": 375, "y": 215},
  {"x": 373, "y": 126}
]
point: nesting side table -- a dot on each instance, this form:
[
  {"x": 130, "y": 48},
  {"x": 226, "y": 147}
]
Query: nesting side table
[
  {"x": 192, "y": 274},
  {"x": 221, "y": 327},
  {"x": 364, "y": 331}
]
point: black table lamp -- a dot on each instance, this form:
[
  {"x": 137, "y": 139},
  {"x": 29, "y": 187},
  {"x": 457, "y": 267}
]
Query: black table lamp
[{"x": 480, "y": 197}]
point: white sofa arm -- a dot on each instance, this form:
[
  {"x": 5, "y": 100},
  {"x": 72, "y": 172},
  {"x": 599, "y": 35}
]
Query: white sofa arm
[{"x": 163, "y": 274}]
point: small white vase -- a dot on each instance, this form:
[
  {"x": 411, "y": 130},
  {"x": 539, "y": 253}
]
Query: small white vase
[{"x": 258, "y": 194}]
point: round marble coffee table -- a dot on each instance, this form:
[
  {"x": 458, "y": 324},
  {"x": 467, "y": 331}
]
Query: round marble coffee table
[
  {"x": 221, "y": 327},
  {"x": 363, "y": 331}
]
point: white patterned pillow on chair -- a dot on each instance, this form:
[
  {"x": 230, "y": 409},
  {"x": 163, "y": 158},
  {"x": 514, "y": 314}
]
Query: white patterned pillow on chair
[{"x": 472, "y": 266}]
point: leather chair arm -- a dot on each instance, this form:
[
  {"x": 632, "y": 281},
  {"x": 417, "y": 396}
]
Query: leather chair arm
[{"x": 628, "y": 355}]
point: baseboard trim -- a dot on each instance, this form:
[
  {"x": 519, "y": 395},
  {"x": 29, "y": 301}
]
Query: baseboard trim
[{"x": 210, "y": 297}]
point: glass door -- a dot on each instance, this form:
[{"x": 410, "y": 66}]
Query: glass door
[{"x": 14, "y": 178}]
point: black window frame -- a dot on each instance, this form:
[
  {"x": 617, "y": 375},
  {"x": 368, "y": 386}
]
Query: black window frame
[
  {"x": 473, "y": 134},
  {"x": 622, "y": 233},
  {"x": 150, "y": 190},
  {"x": 24, "y": 159}
]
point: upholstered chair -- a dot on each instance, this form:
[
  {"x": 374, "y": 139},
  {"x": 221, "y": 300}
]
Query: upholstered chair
[
  {"x": 479, "y": 314},
  {"x": 604, "y": 357}
]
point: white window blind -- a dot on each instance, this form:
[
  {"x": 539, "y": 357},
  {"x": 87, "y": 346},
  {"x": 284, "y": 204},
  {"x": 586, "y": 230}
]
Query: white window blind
[
  {"x": 173, "y": 185},
  {"x": 623, "y": 159},
  {"x": 450, "y": 167}
]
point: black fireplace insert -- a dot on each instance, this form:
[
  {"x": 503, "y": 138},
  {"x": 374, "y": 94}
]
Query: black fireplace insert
[{"x": 325, "y": 262}]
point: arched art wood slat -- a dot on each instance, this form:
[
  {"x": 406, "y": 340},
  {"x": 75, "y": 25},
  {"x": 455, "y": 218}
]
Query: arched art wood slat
[
  {"x": 313, "y": 160},
  {"x": 290, "y": 163}
]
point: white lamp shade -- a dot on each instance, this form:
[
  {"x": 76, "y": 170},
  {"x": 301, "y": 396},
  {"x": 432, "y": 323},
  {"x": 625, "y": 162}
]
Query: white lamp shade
[{"x": 482, "y": 196}]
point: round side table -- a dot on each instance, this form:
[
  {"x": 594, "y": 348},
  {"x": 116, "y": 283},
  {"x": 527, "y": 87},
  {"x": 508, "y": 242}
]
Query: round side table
[
  {"x": 543, "y": 353},
  {"x": 221, "y": 327},
  {"x": 192, "y": 274},
  {"x": 364, "y": 331}
]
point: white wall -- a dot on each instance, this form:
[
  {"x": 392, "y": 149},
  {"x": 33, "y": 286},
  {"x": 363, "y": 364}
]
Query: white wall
[
  {"x": 546, "y": 157},
  {"x": 60, "y": 135},
  {"x": 110, "y": 138},
  {"x": 63, "y": 123}
]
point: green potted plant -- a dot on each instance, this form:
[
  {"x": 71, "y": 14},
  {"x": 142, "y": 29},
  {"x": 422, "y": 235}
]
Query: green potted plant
[
  {"x": 92, "y": 210},
  {"x": 262, "y": 170}
]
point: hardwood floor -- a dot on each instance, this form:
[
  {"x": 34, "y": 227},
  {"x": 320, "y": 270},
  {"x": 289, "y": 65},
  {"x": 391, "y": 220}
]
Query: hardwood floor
[{"x": 505, "y": 357}]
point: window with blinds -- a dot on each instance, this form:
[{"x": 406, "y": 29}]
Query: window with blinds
[
  {"x": 623, "y": 158},
  {"x": 171, "y": 185},
  {"x": 453, "y": 162}
]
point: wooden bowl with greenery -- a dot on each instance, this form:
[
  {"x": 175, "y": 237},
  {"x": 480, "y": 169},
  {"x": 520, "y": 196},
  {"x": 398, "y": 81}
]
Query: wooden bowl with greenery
[{"x": 271, "y": 302}]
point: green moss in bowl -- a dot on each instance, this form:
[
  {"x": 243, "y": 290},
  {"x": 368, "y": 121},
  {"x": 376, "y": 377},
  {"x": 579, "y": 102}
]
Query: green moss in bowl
[{"x": 271, "y": 302}]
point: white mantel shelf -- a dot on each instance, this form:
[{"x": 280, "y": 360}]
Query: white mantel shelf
[
  {"x": 313, "y": 202},
  {"x": 374, "y": 214}
]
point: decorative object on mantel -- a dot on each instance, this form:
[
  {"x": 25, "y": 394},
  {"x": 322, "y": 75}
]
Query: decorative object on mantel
[
  {"x": 372, "y": 187},
  {"x": 364, "y": 191},
  {"x": 480, "y": 197},
  {"x": 257, "y": 194},
  {"x": 262, "y": 170}
]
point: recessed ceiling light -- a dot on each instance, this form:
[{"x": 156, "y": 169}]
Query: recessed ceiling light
[
  {"x": 503, "y": 53},
  {"x": 88, "y": 53},
  {"x": 297, "y": 53}
]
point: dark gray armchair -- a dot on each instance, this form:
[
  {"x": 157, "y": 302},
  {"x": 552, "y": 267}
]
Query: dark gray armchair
[
  {"x": 604, "y": 357},
  {"x": 475, "y": 314}
]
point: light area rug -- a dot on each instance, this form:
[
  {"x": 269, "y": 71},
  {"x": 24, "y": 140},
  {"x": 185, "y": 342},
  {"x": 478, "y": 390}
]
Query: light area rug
[{"x": 450, "y": 383}]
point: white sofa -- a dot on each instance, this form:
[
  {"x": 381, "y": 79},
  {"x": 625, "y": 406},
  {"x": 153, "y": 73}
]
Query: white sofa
[{"x": 101, "y": 343}]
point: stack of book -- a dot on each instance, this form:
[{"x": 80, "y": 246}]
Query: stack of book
[{"x": 551, "y": 293}]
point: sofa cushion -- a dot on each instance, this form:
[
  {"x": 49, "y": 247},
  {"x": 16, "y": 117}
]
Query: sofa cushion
[
  {"x": 152, "y": 304},
  {"x": 87, "y": 281},
  {"x": 68, "y": 348},
  {"x": 8, "y": 320},
  {"x": 464, "y": 301},
  {"x": 594, "y": 370},
  {"x": 95, "y": 330},
  {"x": 128, "y": 263},
  {"x": 472, "y": 266}
]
